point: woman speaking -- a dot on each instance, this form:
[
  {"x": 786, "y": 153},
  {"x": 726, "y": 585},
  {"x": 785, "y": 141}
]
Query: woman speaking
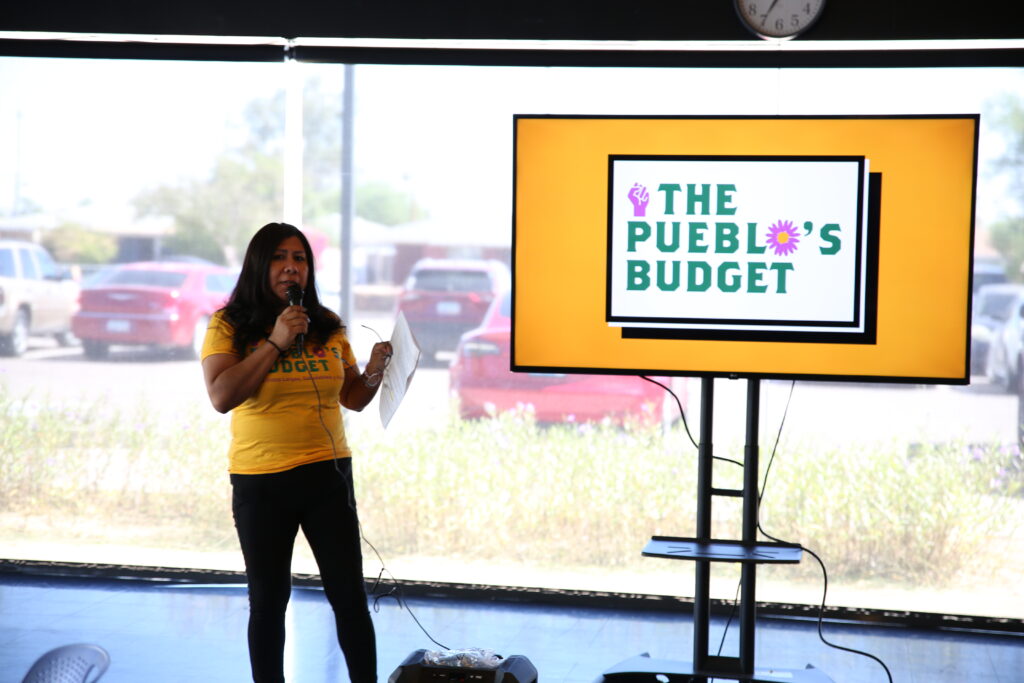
[{"x": 282, "y": 364}]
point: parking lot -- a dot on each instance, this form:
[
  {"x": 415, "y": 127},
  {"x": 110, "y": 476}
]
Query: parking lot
[{"x": 820, "y": 412}]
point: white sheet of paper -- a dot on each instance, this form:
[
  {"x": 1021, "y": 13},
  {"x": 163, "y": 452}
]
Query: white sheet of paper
[{"x": 405, "y": 358}]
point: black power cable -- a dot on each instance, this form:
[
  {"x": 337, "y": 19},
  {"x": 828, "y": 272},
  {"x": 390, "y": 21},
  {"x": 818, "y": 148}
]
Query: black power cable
[
  {"x": 686, "y": 426},
  {"x": 760, "y": 496}
]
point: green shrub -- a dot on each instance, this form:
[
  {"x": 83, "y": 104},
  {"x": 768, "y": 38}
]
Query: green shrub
[
  {"x": 90, "y": 468},
  {"x": 508, "y": 489},
  {"x": 885, "y": 513}
]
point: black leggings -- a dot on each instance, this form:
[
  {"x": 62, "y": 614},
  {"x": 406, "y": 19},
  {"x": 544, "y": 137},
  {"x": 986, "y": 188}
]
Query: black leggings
[{"x": 268, "y": 511}]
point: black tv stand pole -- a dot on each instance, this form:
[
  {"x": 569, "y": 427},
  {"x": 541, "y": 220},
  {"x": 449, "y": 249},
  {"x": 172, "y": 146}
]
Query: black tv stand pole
[{"x": 705, "y": 550}]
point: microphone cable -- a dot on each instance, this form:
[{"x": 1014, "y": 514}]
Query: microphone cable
[{"x": 396, "y": 591}]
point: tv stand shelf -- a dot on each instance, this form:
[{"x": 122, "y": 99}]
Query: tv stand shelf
[
  {"x": 715, "y": 550},
  {"x": 705, "y": 551}
]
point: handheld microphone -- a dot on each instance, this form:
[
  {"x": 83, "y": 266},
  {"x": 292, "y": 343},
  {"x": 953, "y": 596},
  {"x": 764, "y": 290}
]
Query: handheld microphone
[{"x": 295, "y": 295}]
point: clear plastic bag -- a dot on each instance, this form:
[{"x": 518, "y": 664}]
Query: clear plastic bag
[{"x": 472, "y": 657}]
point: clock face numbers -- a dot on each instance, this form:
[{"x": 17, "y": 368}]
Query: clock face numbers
[{"x": 779, "y": 18}]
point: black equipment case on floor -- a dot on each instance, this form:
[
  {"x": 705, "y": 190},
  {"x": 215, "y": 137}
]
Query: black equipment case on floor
[{"x": 514, "y": 669}]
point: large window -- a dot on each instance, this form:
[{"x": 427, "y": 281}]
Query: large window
[{"x": 111, "y": 452}]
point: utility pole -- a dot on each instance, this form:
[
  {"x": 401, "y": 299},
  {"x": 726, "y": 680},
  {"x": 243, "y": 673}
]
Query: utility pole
[
  {"x": 293, "y": 183},
  {"x": 347, "y": 192}
]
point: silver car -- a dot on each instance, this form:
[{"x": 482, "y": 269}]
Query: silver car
[{"x": 996, "y": 333}]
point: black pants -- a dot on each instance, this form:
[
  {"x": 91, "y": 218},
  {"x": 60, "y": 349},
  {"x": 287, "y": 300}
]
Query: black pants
[{"x": 268, "y": 511}]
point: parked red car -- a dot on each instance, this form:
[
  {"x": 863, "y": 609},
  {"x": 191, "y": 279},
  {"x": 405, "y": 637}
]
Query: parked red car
[
  {"x": 158, "y": 304},
  {"x": 443, "y": 298},
  {"x": 481, "y": 380}
]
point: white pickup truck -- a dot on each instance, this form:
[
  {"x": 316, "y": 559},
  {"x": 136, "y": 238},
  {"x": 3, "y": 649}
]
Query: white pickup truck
[{"x": 37, "y": 297}]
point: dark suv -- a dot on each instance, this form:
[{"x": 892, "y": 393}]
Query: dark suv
[{"x": 443, "y": 298}]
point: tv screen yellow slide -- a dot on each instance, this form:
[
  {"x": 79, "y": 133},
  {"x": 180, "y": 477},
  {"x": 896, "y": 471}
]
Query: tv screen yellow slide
[{"x": 807, "y": 247}]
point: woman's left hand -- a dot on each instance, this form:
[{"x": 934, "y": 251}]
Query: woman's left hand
[
  {"x": 358, "y": 390},
  {"x": 380, "y": 356}
]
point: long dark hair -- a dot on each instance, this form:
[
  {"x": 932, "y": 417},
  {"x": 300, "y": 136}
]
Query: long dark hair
[{"x": 253, "y": 307}]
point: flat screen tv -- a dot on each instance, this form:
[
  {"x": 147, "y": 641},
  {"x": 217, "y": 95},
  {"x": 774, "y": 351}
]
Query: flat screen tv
[{"x": 810, "y": 247}]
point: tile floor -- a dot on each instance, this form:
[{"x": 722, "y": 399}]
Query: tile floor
[{"x": 158, "y": 633}]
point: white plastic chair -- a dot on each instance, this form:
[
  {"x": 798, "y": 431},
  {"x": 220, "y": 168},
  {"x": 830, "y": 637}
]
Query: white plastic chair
[{"x": 70, "y": 664}]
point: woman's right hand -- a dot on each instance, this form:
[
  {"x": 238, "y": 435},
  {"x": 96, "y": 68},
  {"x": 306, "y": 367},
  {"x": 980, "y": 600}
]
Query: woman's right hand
[
  {"x": 292, "y": 322},
  {"x": 231, "y": 379}
]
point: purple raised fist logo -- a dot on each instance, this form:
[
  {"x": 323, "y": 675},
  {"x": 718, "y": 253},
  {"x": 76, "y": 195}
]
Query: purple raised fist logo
[{"x": 639, "y": 196}]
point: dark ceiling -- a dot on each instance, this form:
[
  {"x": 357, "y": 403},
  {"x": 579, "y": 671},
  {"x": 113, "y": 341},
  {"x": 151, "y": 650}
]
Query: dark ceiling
[
  {"x": 625, "y": 20},
  {"x": 501, "y": 19}
]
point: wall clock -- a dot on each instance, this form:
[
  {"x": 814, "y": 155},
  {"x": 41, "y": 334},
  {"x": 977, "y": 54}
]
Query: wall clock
[{"x": 778, "y": 19}]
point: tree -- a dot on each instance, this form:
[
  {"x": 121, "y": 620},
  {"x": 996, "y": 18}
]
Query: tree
[
  {"x": 321, "y": 153},
  {"x": 1007, "y": 237},
  {"x": 375, "y": 200},
  {"x": 379, "y": 202},
  {"x": 73, "y": 243},
  {"x": 1007, "y": 112},
  {"x": 216, "y": 216},
  {"x": 24, "y": 205},
  {"x": 1007, "y": 234}
]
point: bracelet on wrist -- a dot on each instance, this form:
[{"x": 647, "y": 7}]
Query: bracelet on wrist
[
  {"x": 373, "y": 379},
  {"x": 280, "y": 351}
]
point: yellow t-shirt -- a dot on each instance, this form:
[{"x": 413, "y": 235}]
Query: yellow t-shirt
[{"x": 278, "y": 427}]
